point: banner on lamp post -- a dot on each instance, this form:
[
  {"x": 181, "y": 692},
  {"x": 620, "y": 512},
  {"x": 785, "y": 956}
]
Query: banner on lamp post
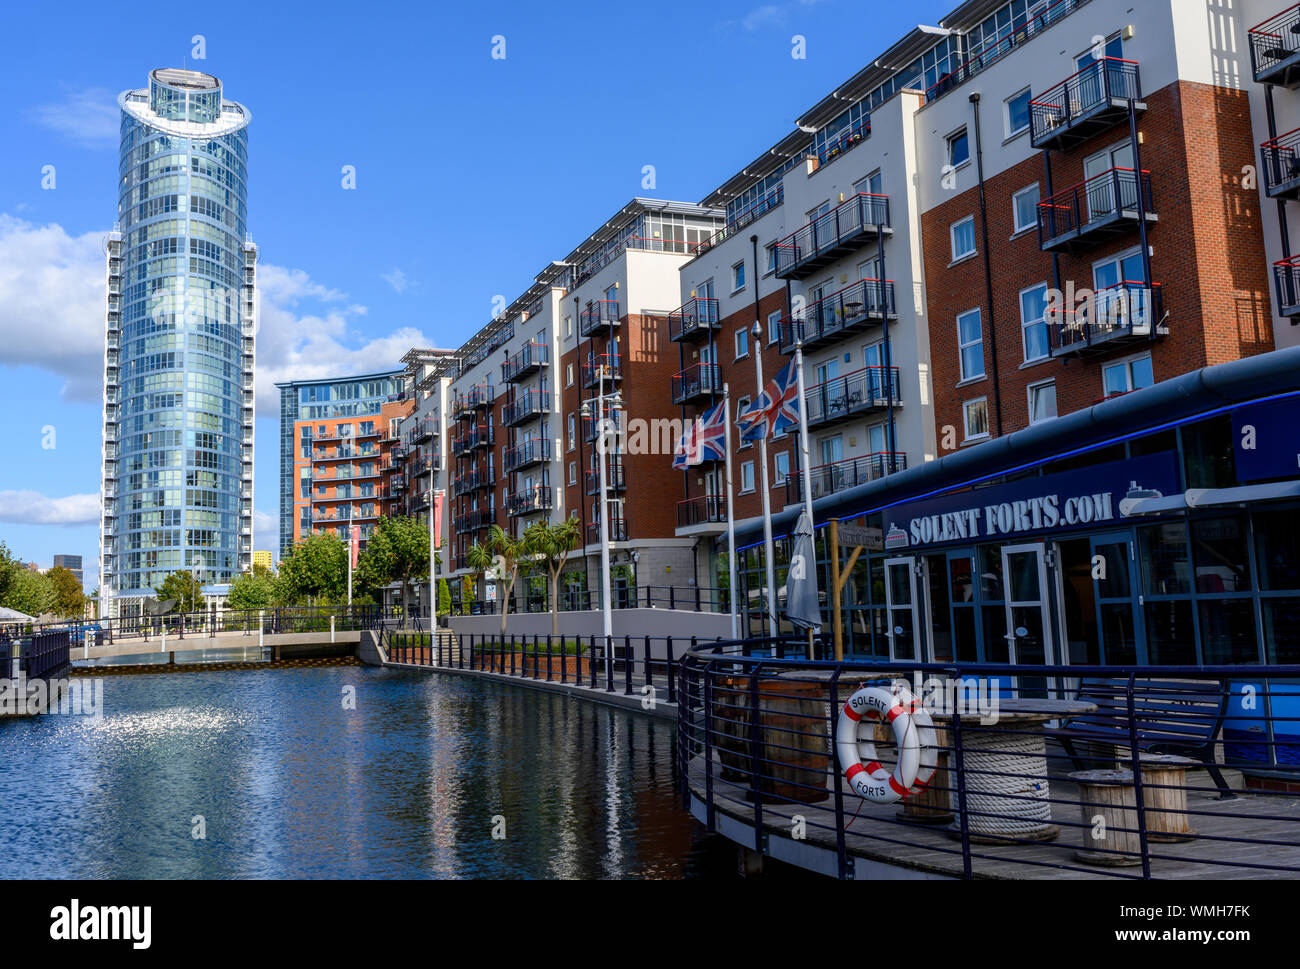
[
  {"x": 437, "y": 519},
  {"x": 355, "y": 544}
]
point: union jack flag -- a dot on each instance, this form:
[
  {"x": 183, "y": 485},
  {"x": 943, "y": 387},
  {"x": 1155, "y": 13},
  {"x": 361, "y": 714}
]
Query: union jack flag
[
  {"x": 703, "y": 440},
  {"x": 688, "y": 450},
  {"x": 776, "y": 409}
]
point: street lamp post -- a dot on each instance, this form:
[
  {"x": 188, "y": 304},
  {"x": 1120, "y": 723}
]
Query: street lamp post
[{"x": 602, "y": 450}]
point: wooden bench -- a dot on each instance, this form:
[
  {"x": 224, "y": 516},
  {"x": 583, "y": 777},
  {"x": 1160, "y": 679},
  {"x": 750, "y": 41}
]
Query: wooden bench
[{"x": 1171, "y": 716}]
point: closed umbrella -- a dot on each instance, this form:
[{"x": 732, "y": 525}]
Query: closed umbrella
[{"x": 802, "y": 604}]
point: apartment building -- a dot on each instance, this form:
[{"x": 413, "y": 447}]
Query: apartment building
[{"x": 336, "y": 452}]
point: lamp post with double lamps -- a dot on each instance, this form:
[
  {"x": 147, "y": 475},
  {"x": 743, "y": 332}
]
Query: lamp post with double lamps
[{"x": 615, "y": 402}]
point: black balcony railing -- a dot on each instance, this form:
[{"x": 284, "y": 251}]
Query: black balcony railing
[
  {"x": 1281, "y": 165},
  {"x": 1095, "y": 210},
  {"x": 617, "y": 531},
  {"x": 1286, "y": 275},
  {"x": 702, "y": 510},
  {"x": 599, "y": 315},
  {"x": 697, "y": 316},
  {"x": 1275, "y": 49},
  {"x": 848, "y": 226},
  {"x": 590, "y": 426},
  {"x": 480, "y": 435},
  {"x": 533, "y": 451},
  {"x": 531, "y": 357},
  {"x": 865, "y": 303},
  {"x": 476, "y": 397},
  {"x": 602, "y": 366},
  {"x": 614, "y": 477},
  {"x": 471, "y": 480},
  {"x": 744, "y": 217},
  {"x": 475, "y": 520},
  {"x": 829, "y": 479},
  {"x": 1111, "y": 318},
  {"x": 529, "y": 501},
  {"x": 1085, "y": 104},
  {"x": 860, "y": 392},
  {"x": 703, "y": 380},
  {"x": 525, "y": 407}
]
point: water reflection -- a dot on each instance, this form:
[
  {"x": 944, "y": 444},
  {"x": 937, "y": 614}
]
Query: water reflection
[{"x": 289, "y": 781}]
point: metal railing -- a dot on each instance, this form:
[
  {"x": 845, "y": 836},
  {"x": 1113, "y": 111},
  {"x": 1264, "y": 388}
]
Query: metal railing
[
  {"x": 37, "y": 653},
  {"x": 530, "y": 500},
  {"x": 524, "y": 407},
  {"x": 622, "y": 596},
  {"x": 855, "y": 393},
  {"x": 601, "y": 367},
  {"x": 828, "y": 479},
  {"x": 847, "y": 223},
  {"x": 1280, "y": 162},
  {"x": 697, "y": 315},
  {"x": 702, "y": 510},
  {"x": 866, "y": 301},
  {"x": 598, "y": 315},
  {"x": 1274, "y": 42},
  {"x": 1286, "y": 276},
  {"x": 1040, "y": 770},
  {"x": 615, "y": 479},
  {"x": 532, "y": 355},
  {"x": 283, "y": 619},
  {"x": 617, "y": 531},
  {"x": 1127, "y": 309},
  {"x": 696, "y": 381},
  {"x": 531, "y": 451},
  {"x": 744, "y": 217},
  {"x": 1098, "y": 200},
  {"x": 1082, "y": 94}
]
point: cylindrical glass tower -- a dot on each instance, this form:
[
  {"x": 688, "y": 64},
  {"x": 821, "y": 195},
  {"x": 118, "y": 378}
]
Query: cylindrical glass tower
[{"x": 179, "y": 353}]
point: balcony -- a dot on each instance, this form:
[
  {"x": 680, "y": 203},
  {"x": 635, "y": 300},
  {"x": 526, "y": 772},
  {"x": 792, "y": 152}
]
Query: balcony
[
  {"x": 1095, "y": 211},
  {"x": 397, "y": 484},
  {"x": 525, "y": 407},
  {"x": 1280, "y": 166},
  {"x": 698, "y": 383},
  {"x": 847, "y": 227},
  {"x": 531, "y": 358},
  {"x": 472, "y": 480},
  {"x": 1275, "y": 49},
  {"x": 475, "y": 520},
  {"x": 615, "y": 480},
  {"x": 696, "y": 317},
  {"x": 425, "y": 430},
  {"x": 866, "y": 303},
  {"x": 1111, "y": 319},
  {"x": 702, "y": 510},
  {"x": 481, "y": 435},
  {"x": 598, "y": 317},
  {"x": 602, "y": 368},
  {"x": 590, "y": 428},
  {"x": 862, "y": 392},
  {"x": 1084, "y": 105},
  {"x": 529, "y": 501},
  {"x": 477, "y": 397},
  {"x": 829, "y": 479},
  {"x": 533, "y": 451},
  {"x": 1286, "y": 275},
  {"x": 617, "y": 531}
]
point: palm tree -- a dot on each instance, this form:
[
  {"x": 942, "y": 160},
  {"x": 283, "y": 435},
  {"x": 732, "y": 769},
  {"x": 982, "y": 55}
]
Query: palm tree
[
  {"x": 550, "y": 545},
  {"x": 513, "y": 553}
]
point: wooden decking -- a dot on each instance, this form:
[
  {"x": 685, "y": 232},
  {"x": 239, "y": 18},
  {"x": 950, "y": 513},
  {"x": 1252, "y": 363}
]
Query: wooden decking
[{"x": 1250, "y": 837}]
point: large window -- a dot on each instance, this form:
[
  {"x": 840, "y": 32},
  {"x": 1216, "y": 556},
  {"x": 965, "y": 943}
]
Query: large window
[
  {"x": 1042, "y": 401},
  {"x": 1017, "y": 112},
  {"x": 963, "y": 238},
  {"x": 975, "y": 415},
  {"x": 1125, "y": 375},
  {"x": 1033, "y": 322},
  {"x": 1024, "y": 205},
  {"x": 970, "y": 345},
  {"x": 958, "y": 148}
]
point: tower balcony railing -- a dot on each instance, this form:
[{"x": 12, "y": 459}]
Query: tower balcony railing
[
  {"x": 471, "y": 480},
  {"x": 1286, "y": 276},
  {"x": 830, "y": 479},
  {"x": 700, "y": 382},
  {"x": 529, "y": 501},
  {"x": 702, "y": 510},
  {"x": 696, "y": 317},
  {"x": 590, "y": 426},
  {"x": 475, "y": 398},
  {"x": 1113, "y": 318},
  {"x": 606, "y": 367},
  {"x": 864, "y": 391},
  {"x": 1275, "y": 49},
  {"x": 525, "y": 407},
  {"x": 614, "y": 478},
  {"x": 753, "y": 211},
  {"x": 1095, "y": 210},
  {"x": 533, "y": 451},
  {"x": 867, "y": 302},
  {"x": 532, "y": 357},
  {"x": 600, "y": 315},
  {"x": 1085, "y": 104},
  {"x": 617, "y": 531},
  {"x": 849, "y": 226},
  {"x": 1281, "y": 165},
  {"x": 478, "y": 436}
]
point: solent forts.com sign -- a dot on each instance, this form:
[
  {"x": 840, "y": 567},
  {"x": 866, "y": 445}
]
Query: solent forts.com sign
[{"x": 1102, "y": 494}]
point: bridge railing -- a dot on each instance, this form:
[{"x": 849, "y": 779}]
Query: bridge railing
[
  {"x": 38, "y": 655},
  {"x": 1116, "y": 771},
  {"x": 179, "y": 625}
]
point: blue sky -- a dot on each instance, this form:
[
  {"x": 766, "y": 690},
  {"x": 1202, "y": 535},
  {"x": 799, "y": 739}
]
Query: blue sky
[{"x": 471, "y": 174}]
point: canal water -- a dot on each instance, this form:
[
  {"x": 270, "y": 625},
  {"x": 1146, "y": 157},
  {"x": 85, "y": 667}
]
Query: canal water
[{"x": 344, "y": 773}]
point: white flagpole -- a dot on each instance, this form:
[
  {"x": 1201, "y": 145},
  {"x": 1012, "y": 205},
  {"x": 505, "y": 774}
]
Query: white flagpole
[
  {"x": 768, "y": 546},
  {"x": 803, "y": 436},
  {"x": 731, "y": 516}
]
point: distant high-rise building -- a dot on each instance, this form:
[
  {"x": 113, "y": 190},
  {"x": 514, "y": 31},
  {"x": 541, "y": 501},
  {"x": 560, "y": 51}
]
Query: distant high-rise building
[
  {"x": 177, "y": 489},
  {"x": 70, "y": 562}
]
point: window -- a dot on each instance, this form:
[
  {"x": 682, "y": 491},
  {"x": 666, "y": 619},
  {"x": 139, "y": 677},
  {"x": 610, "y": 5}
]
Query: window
[
  {"x": 1114, "y": 47},
  {"x": 958, "y": 148},
  {"x": 1033, "y": 321},
  {"x": 568, "y": 375},
  {"x": 1125, "y": 375},
  {"x": 976, "y": 416},
  {"x": 1042, "y": 401},
  {"x": 572, "y": 431},
  {"x": 1024, "y": 206},
  {"x": 771, "y": 259},
  {"x": 742, "y": 343},
  {"x": 873, "y": 184},
  {"x": 773, "y": 326},
  {"x": 1016, "y": 109},
  {"x": 738, "y": 277},
  {"x": 781, "y": 462},
  {"x": 963, "y": 238},
  {"x": 747, "y": 477},
  {"x": 970, "y": 342},
  {"x": 573, "y": 472}
]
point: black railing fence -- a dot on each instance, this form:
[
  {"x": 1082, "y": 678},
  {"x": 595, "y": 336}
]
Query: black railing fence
[
  {"x": 622, "y": 596},
  {"x": 1038, "y": 771},
  {"x": 38, "y": 654}
]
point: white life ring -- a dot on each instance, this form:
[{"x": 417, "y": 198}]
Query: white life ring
[{"x": 914, "y": 734}]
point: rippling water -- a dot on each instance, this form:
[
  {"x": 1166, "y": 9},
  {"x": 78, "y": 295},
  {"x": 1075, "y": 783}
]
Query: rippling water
[{"x": 290, "y": 784}]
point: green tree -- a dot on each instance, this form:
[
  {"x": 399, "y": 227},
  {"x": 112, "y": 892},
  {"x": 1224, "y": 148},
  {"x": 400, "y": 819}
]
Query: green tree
[
  {"x": 252, "y": 590},
  {"x": 184, "y": 588},
  {"x": 9, "y": 568},
  {"x": 444, "y": 598},
  {"x": 550, "y": 545},
  {"x": 316, "y": 569},
  {"x": 512, "y": 552},
  {"x": 69, "y": 598},
  {"x": 31, "y": 593},
  {"x": 397, "y": 551}
]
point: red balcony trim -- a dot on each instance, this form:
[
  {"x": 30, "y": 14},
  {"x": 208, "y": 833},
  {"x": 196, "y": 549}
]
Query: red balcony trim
[
  {"x": 835, "y": 464},
  {"x": 1046, "y": 203},
  {"x": 1079, "y": 73},
  {"x": 787, "y": 244},
  {"x": 1276, "y": 16},
  {"x": 852, "y": 373}
]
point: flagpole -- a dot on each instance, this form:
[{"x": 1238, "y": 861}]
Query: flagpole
[
  {"x": 731, "y": 516},
  {"x": 807, "y": 464},
  {"x": 768, "y": 546}
]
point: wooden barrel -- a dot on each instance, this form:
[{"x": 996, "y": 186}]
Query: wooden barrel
[
  {"x": 1108, "y": 805},
  {"x": 794, "y": 751},
  {"x": 1164, "y": 797}
]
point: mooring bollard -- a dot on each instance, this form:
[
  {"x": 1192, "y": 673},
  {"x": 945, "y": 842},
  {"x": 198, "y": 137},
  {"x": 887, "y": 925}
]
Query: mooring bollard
[
  {"x": 331, "y": 629},
  {"x": 162, "y": 640}
]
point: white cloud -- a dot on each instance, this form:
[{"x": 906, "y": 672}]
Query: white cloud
[
  {"x": 90, "y": 116},
  {"x": 52, "y": 317},
  {"x": 769, "y": 13},
  {"x": 34, "y": 508},
  {"x": 397, "y": 279}
]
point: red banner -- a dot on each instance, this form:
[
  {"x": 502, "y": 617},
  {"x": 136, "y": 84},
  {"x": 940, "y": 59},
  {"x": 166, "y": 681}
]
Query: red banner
[
  {"x": 356, "y": 544},
  {"x": 437, "y": 519}
]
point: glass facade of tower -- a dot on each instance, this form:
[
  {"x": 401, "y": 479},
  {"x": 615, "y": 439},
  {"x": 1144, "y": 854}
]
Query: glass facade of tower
[{"x": 182, "y": 446}]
